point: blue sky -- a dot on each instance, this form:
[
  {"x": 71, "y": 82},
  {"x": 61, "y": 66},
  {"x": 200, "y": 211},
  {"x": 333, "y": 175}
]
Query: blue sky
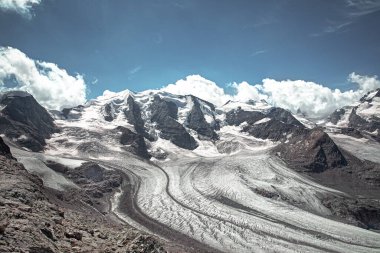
[{"x": 138, "y": 45}]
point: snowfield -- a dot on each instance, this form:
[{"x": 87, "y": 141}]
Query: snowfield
[{"x": 362, "y": 148}]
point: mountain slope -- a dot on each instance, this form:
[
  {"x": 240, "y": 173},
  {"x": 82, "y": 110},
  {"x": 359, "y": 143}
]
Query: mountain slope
[
  {"x": 24, "y": 120},
  {"x": 235, "y": 178}
]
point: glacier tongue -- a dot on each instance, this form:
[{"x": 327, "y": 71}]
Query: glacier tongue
[{"x": 245, "y": 202}]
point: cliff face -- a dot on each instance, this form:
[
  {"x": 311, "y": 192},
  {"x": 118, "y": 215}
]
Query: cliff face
[
  {"x": 164, "y": 113},
  {"x": 23, "y": 119}
]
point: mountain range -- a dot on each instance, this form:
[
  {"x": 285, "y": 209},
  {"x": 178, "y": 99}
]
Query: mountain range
[{"x": 157, "y": 172}]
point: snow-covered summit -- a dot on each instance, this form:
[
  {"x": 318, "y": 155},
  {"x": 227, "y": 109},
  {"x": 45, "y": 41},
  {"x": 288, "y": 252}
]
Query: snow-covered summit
[
  {"x": 162, "y": 119},
  {"x": 361, "y": 118}
]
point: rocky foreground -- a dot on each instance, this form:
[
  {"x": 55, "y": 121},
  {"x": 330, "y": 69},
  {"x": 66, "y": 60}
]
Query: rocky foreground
[{"x": 34, "y": 220}]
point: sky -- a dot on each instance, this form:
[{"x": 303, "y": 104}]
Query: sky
[{"x": 96, "y": 45}]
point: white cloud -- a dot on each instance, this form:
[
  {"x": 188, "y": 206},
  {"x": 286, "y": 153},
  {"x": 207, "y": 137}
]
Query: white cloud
[
  {"x": 200, "y": 87},
  {"x": 366, "y": 83},
  {"x": 349, "y": 13},
  {"x": 310, "y": 98},
  {"x": 258, "y": 52},
  {"x": 95, "y": 81},
  {"x": 245, "y": 92},
  {"x": 134, "y": 71},
  {"x": 313, "y": 99},
  {"x": 52, "y": 86},
  {"x": 362, "y": 7},
  {"x": 22, "y": 7}
]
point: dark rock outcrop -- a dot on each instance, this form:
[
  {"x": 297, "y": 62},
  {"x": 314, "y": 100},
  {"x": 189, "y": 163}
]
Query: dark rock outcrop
[
  {"x": 164, "y": 113},
  {"x": 108, "y": 112},
  {"x": 279, "y": 126},
  {"x": 312, "y": 150},
  {"x": 238, "y": 116},
  {"x": 25, "y": 121},
  {"x": 336, "y": 116},
  {"x": 302, "y": 148},
  {"x": 163, "y": 109},
  {"x": 283, "y": 116},
  {"x": 196, "y": 121},
  {"x": 273, "y": 129},
  {"x": 356, "y": 121},
  {"x": 133, "y": 115},
  {"x": 364, "y": 126},
  {"x": 135, "y": 142},
  {"x": 363, "y": 213},
  {"x": 73, "y": 112},
  {"x": 5, "y": 150},
  {"x": 95, "y": 180}
]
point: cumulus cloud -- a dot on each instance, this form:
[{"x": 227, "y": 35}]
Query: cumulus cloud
[
  {"x": 312, "y": 99},
  {"x": 200, "y": 87},
  {"x": 366, "y": 83},
  {"x": 22, "y": 7},
  {"x": 245, "y": 92},
  {"x": 52, "y": 86}
]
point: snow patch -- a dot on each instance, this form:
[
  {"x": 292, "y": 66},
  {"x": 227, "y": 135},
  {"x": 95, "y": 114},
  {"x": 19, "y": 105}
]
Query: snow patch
[{"x": 262, "y": 121}]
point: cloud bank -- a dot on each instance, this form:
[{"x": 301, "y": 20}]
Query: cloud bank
[
  {"x": 22, "y": 7},
  {"x": 51, "y": 86},
  {"x": 312, "y": 99},
  {"x": 55, "y": 89}
]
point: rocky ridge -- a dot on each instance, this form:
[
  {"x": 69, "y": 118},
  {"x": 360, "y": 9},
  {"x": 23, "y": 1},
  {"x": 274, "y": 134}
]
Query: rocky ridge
[{"x": 24, "y": 120}]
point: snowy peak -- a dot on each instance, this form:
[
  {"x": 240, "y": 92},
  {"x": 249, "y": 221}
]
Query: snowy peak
[
  {"x": 370, "y": 96},
  {"x": 369, "y": 108},
  {"x": 153, "y": 122},
  {"x": 361, "y": 119}
]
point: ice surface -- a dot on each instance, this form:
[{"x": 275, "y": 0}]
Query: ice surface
[
  {"x": 34, "y": 163},
  {"x": 361, "y": 148},
  {"x": 224, "y": 202}
]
